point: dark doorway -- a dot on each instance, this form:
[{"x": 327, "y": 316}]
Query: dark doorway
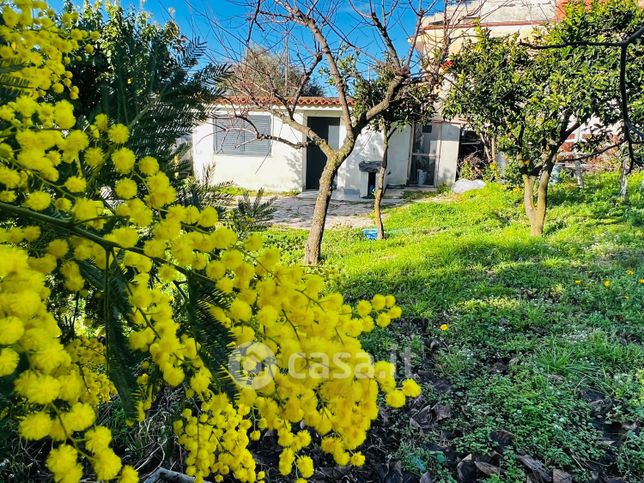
[{"x": 329, "y": 129}]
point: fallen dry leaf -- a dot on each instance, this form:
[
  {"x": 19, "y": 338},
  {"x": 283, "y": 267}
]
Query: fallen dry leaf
[
  {"x": 487, "y": 468},
  {"x": 537, "y": 468},
  {"x": 560, "y": 476},
  {"x": 466, "y": 469},
  {"x": 442, "y": 411}
]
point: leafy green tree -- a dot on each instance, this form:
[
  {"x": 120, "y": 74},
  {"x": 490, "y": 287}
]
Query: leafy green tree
[{"x": 532, "y": 99}]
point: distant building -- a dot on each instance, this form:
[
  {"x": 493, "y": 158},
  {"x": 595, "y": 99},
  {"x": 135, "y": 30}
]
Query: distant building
[{"x": 501, "y": 17}]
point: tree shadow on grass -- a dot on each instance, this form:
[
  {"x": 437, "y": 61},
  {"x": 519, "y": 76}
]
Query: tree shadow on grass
[{"x": 531, "y": 330}]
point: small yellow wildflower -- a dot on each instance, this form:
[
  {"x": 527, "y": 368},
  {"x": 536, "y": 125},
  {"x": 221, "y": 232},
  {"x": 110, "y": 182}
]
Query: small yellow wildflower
[
  {"x": 38, "y": 200},
  {"x": 106, "y": 464},
  {"x": 149, "y": 166},
  {"x": 444, "y": 327},
  {"x": 125, "y": 188},
  {"x": 129, "y": 475},
  {"x": 11, "y": 329},
  {"x": 58, "y": 247},
  {"x": 35, "y": 426},
  {"x": 75, "y": 184},
  {"x": 305, "y": 465},
  {"x": 8, "y": 361},
  {"x": 62, "y": 462},
  {"x": 64, "y": 115},
  {"x": 363, "y": 308},
  {"x": 101, "y": 121},
  {"x": 94, "y": 157},
  {"x": 410, "y": 388},
  {"x": 357, "y": 459}
]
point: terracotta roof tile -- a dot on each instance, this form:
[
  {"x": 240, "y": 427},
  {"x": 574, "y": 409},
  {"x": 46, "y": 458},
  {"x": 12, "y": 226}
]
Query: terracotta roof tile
[{"x": 302, "y": 101}]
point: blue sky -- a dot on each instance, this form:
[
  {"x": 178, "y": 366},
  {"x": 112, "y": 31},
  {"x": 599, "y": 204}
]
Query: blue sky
[{"x": 223, "y": 25}]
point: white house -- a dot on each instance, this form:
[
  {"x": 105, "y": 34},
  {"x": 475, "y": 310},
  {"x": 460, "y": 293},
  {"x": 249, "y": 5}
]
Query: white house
[{"x": 234, "y": 153}]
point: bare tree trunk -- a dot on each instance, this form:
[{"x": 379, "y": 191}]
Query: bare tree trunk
[
  {"x": 313, "y": 246},
  {"x": 542, "y": 203},
  {"x": 536, "y": 212},
  {"x": 623, "y": 178},
  {"x": 528, "y": 197},
  {"x": 380, "y": 187}
]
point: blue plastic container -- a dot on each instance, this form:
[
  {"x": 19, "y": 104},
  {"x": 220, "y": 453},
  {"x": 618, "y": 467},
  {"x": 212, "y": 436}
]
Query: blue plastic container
[{"x": 370, "y": 233}]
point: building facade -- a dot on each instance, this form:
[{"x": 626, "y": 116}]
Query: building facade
[
  {"x": 501, "y": 17},
  {"x": 231, "y": 151}
]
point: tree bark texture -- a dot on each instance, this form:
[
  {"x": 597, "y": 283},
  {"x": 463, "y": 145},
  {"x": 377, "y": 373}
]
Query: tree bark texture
[
  {"x": 313, "y": 246},
  {"x": 536, "y": 211},
  {"x": 380, "y": 187},
  {"x": 623, "y": 178}
]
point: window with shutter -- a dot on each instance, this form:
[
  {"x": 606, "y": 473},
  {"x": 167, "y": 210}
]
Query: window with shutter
[
  {"x": 237, "y": 137},
  {"x": 254, "y": 146},
  {"x": 229, "y": 138}
]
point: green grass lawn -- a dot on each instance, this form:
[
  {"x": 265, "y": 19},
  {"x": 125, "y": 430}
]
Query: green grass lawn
[{"x": 542, "y": 356}]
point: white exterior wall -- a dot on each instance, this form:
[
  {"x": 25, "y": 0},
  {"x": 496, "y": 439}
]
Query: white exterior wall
[
  {"x": 285, "y": 168},
  {"x": 368, "y": 147},
  {"x": 399, "y": 155},
  {"x": 447, "y": 161},
  {"x": 282, "y": 170}
]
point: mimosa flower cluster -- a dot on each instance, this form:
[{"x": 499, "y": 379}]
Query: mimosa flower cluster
[{"x": 58, "y": 222}]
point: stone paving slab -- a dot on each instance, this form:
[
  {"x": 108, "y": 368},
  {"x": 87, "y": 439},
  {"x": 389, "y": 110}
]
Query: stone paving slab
[
  {"x": 296, "y": 212},
  {"x": 345, "y": 211}
]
